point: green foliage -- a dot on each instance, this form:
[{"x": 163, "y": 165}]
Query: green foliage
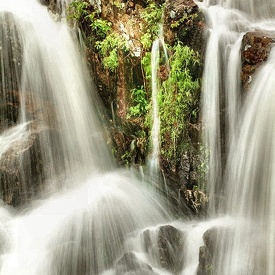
[
  {"x": 109, "y": 48},
  {"x": 99, "y": 26},
  {"x": 178, "y": 98},
  {"x": 151, "y": 17},
  {"x": 146, "y": 65},
  {"x": 118, "y": 4},
  {"x": 77, "y": 10},
  {"x": 139, "y": 102},
  {"x": 185, "y": 20},
  {"x": 100, "y": 34}
]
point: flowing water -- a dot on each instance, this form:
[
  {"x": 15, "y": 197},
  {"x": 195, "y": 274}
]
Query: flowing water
[
  {"x": 159, "y": 57},
  {"x": 244, "y": 180},
  {"x": 91, "y": 218}
]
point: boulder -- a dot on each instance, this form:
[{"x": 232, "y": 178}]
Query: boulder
[
  {"x": 215, "y": 240},
  {"x": 22, "y": 169},
  {"x": 255, "y": 50},
  {"x": 166, "y": 247},
  {"x": 184, "y": 21}
]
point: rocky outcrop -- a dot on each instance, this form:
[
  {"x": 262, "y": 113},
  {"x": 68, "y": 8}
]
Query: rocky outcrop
[
  {"x": 22, "y": 169},
  {"x": 215, "y": 239},
  {"x": 183, "y": 21},
  {"x": 169, "y": 253},
  {"x": 255, "y": 50}
]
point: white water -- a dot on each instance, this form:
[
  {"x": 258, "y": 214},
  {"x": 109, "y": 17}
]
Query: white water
[
  {"x": 100, "y": 215},
  {"x": 158, "y": 49},
  {"x": 97, "y": 216},
  {"x": 246, "y": 186}
]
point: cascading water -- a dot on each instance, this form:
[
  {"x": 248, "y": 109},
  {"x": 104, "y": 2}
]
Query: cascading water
[
  {"x": 158, "y": 50},
  {"x": 222, "y": 69},
  {"x": 246, "y": 183},
  {"x": 92, "y": 221},
  {"x": 104, "y": 222}
]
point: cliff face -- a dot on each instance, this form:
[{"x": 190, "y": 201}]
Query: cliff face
[{"x": 119, "y": 37}]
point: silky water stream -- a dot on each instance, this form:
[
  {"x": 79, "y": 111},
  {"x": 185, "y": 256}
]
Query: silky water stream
[
  {"x": 88, "y": 217},
  {"x": 91, "y": 218}
]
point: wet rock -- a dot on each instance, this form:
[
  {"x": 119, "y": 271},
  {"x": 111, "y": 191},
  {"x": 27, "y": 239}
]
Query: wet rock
[
  {"x": 183, "y": 21},
  {"x": 9, "y": 109},
  {"x": 171, "y": 244},
  {"x": 166, "y": 247},
  {"x": 197, "y": 201},
  {"x": 130, "y": 264},
  {"x": 255, "y": 50},
  {"x": 22, "y": 169},
  {"x": 215, "y": 240}
]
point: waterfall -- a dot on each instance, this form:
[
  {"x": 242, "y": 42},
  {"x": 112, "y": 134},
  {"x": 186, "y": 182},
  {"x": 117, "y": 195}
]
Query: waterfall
[
  {"x": 221, "y": 74},
  {"x": 241, "y": 157},
  {"x": 54, "y": 93},
  {"x": 85, "y": 216},
  {"x": 158, "y": 45}
]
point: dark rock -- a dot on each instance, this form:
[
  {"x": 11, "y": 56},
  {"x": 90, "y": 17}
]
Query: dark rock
[
  {"x": 130, "y": 264},
  {"x": 255, "y": 50},
  {"x": 10, "y": 69},
  {"x": 22, "y": 169},
  {"x": 166, "y": 247},
  {"x": 183, "y": 21},
  {"x": 171, "y": 244},
  {"x": 216, "y": 239}
]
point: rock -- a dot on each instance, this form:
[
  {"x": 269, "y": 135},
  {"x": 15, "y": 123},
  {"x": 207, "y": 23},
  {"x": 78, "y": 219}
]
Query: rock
[
  {"x": 22, "y": 168},
  {"x": 183, "y": 21},
  {"x": 214, "y": 239},
  {"x": 197, "y": 201},
  {"x": 130, "y": 264},
  {"x": 166, "y": 247},
  {"x": 255, "y": 50}
]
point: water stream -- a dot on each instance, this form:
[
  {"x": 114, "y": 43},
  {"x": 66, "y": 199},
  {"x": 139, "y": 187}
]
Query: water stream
[{"x": 95, "y": 219}]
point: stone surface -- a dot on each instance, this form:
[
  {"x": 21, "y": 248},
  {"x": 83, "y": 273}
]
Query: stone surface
[
  {"x": 215, "y": 239},
  {"x": 166, "y": 247},
  {"x": 183, "y": 21},
  {"x": 255, "y": 50},
  {"x": 22, "y": 169}
]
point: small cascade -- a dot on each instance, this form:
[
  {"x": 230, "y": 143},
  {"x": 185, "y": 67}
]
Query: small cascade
[
  {"x": 251, "y": 198},
  {"x": 256, "y": 8},
  {"x": 42, "y": 68},
  {"x": 239, "y": 135},
  {"x": 158, "y": 52},
  {"x": 221, "y": 84}
]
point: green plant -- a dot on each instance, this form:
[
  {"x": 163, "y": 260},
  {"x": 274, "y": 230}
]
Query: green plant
[
  {"x": 118, "y": 4},
  {"x": 178, "y": 98},
  {"x": 109, "y": 48},
  {"x": 99, "y": 26},
  {"x": 151, "y": 18},
  {"x": 139, "y": 103},
  {"x": 77, "y": 10}
]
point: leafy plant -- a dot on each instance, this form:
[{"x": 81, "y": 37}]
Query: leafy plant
[
  {"x": 177, "y": 100},
  {"x": 109, "y": 48},
  {"x": 77, "y": 10},
  {"x": 99, "y": 26},
  {"x": 151, "y": 18},
  {"x": 140, "y": 103}
]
